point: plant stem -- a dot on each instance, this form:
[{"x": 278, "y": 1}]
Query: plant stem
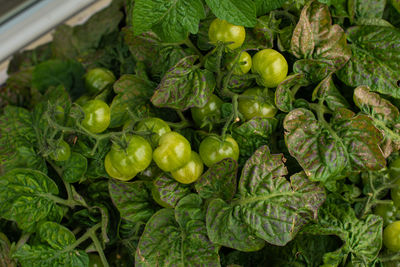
[
  {"x": 189, "y": 44},
  {"x": 22, "y": 240},
  {"x": 99, "y": 249}
]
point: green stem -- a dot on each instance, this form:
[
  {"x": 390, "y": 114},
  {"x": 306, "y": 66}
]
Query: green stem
[
  {"x": 22, "y": 240},
  {"x": 395, "y": 257},
  {"x": 66, "y": 202},
  {"x": 189, "y": 44},
  {"x": 233, "y": 117},
  {"x": 219, "y": 59},
  {"x": 179, "y": 125},
  {"x": 181, "y": 116},
  {"x": 99, "y": 249}
]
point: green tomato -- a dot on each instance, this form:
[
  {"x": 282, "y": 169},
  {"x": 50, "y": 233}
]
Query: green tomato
[
  {"x": 261, "y": 106},
  {"x": 97, "y": 79},
  {"x": 388, "y": 212},
  {"x": 62, "y": 151},
  {"x": 173, "y": 152},
  {"x": 125, "y": 163},
  {"x": 243, "y": 66},
  {"x": 209, "y": 114},
  {"x": 223, "y": 31},
  {"x": 213, "y": 150},
  {"x": 391, "y": 236},
  {"x": 82, "y": 100},
  {"x": 271, "y": 66},
  {"x": 95, "y": 260},
  {"x": 190, "y": 172},
  {"x": 97, "y": 116},
  {"x": 154, "y": 125}
]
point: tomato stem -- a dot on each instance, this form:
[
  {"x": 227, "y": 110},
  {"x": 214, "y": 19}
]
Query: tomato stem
[{"x": 99, "y": 248}]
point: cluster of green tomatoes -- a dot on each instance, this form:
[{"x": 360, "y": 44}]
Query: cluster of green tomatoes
[{"x": 170, "y": 150}]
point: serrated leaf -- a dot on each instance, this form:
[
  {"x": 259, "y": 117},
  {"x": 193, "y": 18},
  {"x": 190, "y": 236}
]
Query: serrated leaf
[
  {"x": 26, "y": 198},
  {"x": 133, "y": 200},
  {"x": 319, "y": 43},
  {"x": 177, "y": 238},
  {"x": 325, "y": 152},
  {"x": 265, "y": 6},
  {"x": 168, "y": 191},
  {"x": 375, "y": 61},
  {"x": 184, "y": 86},
  {"x": 266, "y": 208},
  {"x": 56, "y": 235},
  {"x": 219, "y": 181},
  {"x": 171, "y": 20},
  {"x": 362, "y": 239},
  {"x": 236, "y": 12}
]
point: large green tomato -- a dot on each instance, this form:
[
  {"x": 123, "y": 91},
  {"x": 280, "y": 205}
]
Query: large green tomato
[
  {"x": 62, "y": 151},
  {"x": 173, "y": 152},
  {"x": 97, "y": 116},
  {"x": 209, "y": 114},
  {"x": 97, "y": 79},
  {"x": 124, "y": 164},
  {"x": 262, "y": 104},
  {"x": 191, "y": 171},
  {"x": 271, "y": 66},
  {"x": 154, "y": 125},
  {"x": 213, "y": 150},
  {"x": 243, "y": 66},
  {"x": 223, "y": 31},
  {"x": 391, "y": 236},
  {"x": 388, "y": 212}
]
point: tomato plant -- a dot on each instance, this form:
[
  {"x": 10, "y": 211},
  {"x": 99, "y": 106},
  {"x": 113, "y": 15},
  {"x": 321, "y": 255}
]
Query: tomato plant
[
  {"x": 173, "y": 152},
  {"x": 97, "y": 79},
  {"x": 257, "y": 102},
  {"x": 213, "y": 149},
  {"x": 223, "y": 31},
  {"x": 189, "y": 172},
  {"x": 271, "y": 66},
  {"x": 243, "y": 64},
  {"x": 124, "y": 163},
  {"x": 97, "y": 116},
  {"x": 210, "y": 114}
]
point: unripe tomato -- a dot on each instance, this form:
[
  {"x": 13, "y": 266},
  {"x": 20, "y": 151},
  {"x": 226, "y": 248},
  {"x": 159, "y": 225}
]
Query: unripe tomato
[
  {"x": 223, "y": 31},
  {"x": 271, "y": 66},
  {"x": 261, "y": 106},
  {"x": 154, "y": 125},
  {"x": 125, "y": 163},
  {"x": 391, "y": 236},
  {"x": 209, "y": 114},
  {"x": 191, "y": 171},
  {"x": 97, "y": 79},
  {"x": 243, "y": 66},
  {"x": 388, "y": 212},
  {"x": 97, "y": 116},
  {"x": 213, "y": 150},
  {"x": 173, "y": 152},
  {"x": 62, "y": 151}
]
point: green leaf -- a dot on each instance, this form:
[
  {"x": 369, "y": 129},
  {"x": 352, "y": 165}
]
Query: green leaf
[
  {"x": 133, "y": 93},
  {"x": 26, "y": 197},
  {"x": 318, "y": 42},
  {"x": 177, "y": 238},
  {"x": 219, "y": 181},
  {"x": 366, "y": 8},
  {"x": 265, "y": 6},
  {"x": 133, "y": 200},
  {"x": 71, "y": 42},
  {"x": 236, "y": 12},
  {"x": 5, "y": 256},
  {"x": 375, "y": 61},
  {"x": 384, "y": 115},
  {"x": 184, "y": 86},
  {"x": 326, "y": 152},
  {"x": 267, "y": 207},
  {"x": 74, "y": 168},
  {"x": 362, "y": 239},
  {"x": 285, "y": 92},
  {"x": 57, "y": 72},
  {"x": 171, "y": 20},
  {"x": 253, "y": 134},
  {"x": 167, "y": 191},
  {"x": 327, "y": 92},
  {"x": 58, "y": 251}
]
